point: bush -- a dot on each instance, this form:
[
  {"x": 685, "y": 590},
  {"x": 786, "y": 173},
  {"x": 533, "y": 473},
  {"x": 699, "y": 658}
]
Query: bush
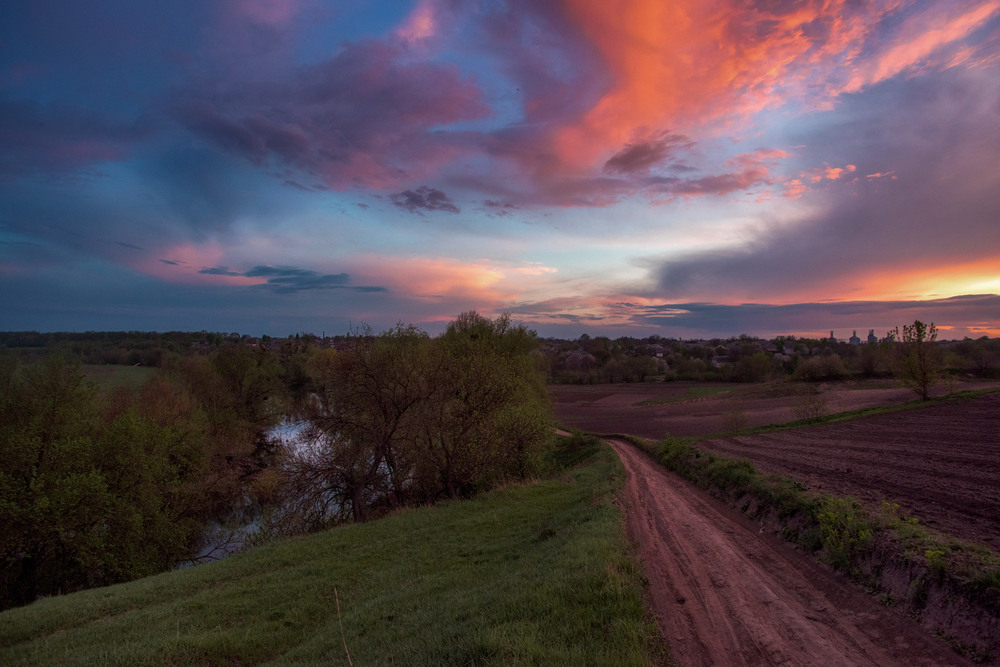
[
  {"x": 810, "y": 408},
  {"x": 735, "y": 420},
  {"x": 829, "y": 367},
  {"x": 846, "y": 530}
]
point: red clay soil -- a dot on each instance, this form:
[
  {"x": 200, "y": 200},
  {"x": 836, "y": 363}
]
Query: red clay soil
[
  {"x": 941, "y": 463},
  {"x": 727, "y": 594}
]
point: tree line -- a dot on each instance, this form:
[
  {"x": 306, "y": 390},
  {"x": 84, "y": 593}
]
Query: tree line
[
  {"x": 99, "y": 486},
  {"x": 600, "y": 359}
]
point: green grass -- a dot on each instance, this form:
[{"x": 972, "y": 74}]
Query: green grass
[
  {"x": 113, "y": 376},
  {"x": 529, "y": 574}
]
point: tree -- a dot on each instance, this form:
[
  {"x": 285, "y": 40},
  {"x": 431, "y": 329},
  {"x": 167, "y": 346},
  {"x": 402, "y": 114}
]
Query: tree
[
  {"x": 918, "y": 360},
  {"x": 399, "y": 418},
  {"x": 92, "y": 491},
  {"x": 489, "y": 417},
  {"x": 364, "y": 414}
]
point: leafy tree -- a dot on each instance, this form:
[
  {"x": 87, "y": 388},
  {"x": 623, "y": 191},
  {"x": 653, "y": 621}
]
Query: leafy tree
[
  {"x": 756, "y": 367},
  {"x": 399, "y": 418},
  {"x": 826, "y": 367},
  {"x": 489, "y": 417},
  {"x": 92, "y": 492},
  {"x": 869, "y": 356},
  {"x": 364, "y": 415},
  {"x": 918, "y": 361}
]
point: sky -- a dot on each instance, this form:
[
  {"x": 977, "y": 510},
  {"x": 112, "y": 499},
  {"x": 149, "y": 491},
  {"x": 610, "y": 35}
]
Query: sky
[{"x": 690, "y": 169}]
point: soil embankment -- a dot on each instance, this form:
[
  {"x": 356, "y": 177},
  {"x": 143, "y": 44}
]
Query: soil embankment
[{"x": 726, "y": 593}]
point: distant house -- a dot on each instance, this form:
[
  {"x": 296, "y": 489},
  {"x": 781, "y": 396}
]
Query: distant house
[
  {"x": 854, "y": 340},
  {"x": 832, "y": 338},
  {"x": 719, "y": 361},
  {"x": 872, "y": 338}
]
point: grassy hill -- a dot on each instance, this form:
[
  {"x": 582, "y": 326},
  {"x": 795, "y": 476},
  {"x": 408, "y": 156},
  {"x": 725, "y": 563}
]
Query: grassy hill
[{"x": 529, "y": 574}]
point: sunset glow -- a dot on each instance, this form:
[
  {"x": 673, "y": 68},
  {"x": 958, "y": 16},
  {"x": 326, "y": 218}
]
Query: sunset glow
[{"x": 628, "y": 167}]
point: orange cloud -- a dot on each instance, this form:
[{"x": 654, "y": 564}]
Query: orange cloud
[
  {"x": 916, "y": 282},
  {"x": 434, "y": 278},
  {"x": 833, "y": 173},
  {"x": 923, "y": 282},
  {"x": 709, "y": 64},
  {"x": 691, "y": 62}
]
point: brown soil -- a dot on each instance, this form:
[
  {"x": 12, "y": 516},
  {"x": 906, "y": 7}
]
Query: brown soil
[
  {"x": 940, "y": 463},
  {"x": 726, "y": 594},
  {"x": 654, "y": 410}
]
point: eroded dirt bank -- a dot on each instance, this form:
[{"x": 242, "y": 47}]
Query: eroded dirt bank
[{"x": 727, "y": 594}]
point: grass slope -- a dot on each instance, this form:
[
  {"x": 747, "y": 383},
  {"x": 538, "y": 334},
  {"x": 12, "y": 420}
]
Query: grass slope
[{"x": 529, "y": 574}]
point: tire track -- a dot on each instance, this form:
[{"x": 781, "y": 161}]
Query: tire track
[{"x": 726, "y": 595}]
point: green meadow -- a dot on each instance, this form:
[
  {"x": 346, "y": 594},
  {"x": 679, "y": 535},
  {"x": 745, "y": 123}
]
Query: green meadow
[{"x": 538, "y": 573}]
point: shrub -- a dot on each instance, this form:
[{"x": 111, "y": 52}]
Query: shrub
[
  {"x": 810, "y": 408},
  {"x": 829, "y": 367},
  {"x": 734, "y": 420},
  {"x": 846, "y": 530}
]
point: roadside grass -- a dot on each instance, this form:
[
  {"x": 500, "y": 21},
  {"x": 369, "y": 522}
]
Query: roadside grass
[
  {"x": 893, "y": 556},
  {"x": 113, "y": 376},
  {"x": 539, "y": 573}
]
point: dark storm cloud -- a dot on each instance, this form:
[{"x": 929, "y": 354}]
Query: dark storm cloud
[
  {"x": 255, "y": 137},
  {"x": 216, "y": 271},
  {"x": 937, "y": 209},
  {"x": 712, "y": 320},
  {"x": 499, "y": 208},
  {"x": 424, "y": 199},
  {"x": 349, "y": 120},
  {"x": 59, "y": 138},
  {"x": 640, "y": 156},
  {"x": 843, "y": 317},
  {"x": 287, "y": 279}
]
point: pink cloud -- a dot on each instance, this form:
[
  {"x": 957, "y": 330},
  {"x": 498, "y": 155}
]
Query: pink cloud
[
  {"x": 422, "y": 23},
  {"x": 921, "y": 37},
  {"x": 186, "y": 263},
  {"x": 686, "y": 64}
]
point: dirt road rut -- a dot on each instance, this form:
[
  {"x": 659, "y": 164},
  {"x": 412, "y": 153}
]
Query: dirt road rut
[{"x": 725, "y": 594}]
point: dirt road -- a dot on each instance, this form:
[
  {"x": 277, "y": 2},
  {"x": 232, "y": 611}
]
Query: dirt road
[{"x": 725, "y": 594}]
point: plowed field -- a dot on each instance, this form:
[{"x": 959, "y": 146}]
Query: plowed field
[{"x": 940, "y": 463}]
